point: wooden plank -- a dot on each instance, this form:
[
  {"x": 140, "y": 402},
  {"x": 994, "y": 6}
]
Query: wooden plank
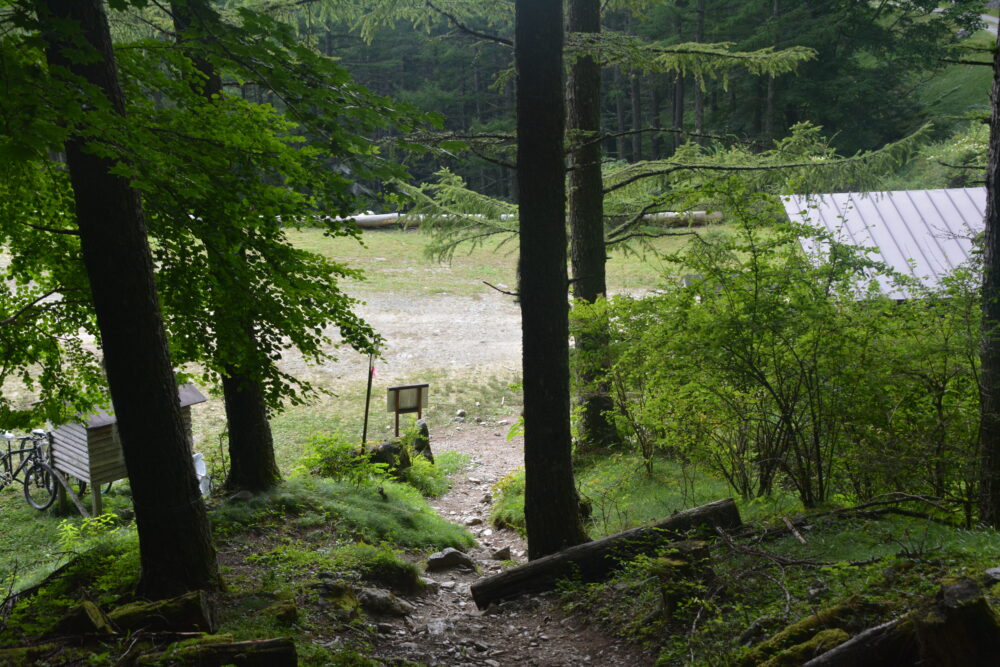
[{"x": 70, "y": 469}]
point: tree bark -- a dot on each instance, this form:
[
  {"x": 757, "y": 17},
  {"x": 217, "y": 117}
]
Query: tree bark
[
  {"x": 635, "y": 95},
  {"x": 593, "y": 561},
  {"x": 654, "y": 116},
  {"x": 252, "y": 465},
  {"x": 770, "y": 109},
  {"x": 588, "y": 253},
  {"x": 989, "y": 391},
  {"x": 619, "y": 114},
  {"x": 699, "y": 94},
  {"x": 175, "y": 543},
  {"x": 551, "y": 508}
]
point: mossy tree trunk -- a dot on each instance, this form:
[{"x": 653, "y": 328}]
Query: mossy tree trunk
[{"x": 175, "y": 542}]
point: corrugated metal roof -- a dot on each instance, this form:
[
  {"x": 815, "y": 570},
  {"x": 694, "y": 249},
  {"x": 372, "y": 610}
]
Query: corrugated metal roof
[{"x": 921, "y": 233}]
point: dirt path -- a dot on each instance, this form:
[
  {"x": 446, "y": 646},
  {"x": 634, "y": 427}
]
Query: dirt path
[{"x": 447, "y": 629}]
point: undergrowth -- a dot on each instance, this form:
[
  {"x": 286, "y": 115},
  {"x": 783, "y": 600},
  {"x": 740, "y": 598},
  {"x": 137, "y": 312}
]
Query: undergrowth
[
  {"x": 875, "y": 569},
  {"x": 397, "y": 514}
]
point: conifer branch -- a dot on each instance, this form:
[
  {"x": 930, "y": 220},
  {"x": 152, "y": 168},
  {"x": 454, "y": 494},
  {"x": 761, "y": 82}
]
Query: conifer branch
[{"x": 467, "y": 30}]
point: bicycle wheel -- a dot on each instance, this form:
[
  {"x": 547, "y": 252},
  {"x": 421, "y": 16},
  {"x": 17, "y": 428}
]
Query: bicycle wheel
[
  {"x": 39, "y": 486},
  {"x": 82, "y": 488}
]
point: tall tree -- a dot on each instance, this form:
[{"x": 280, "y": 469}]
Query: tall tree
[
  {"x": 586, "y": 220},
  {"x": 176, "y": 551},
  {"x": 989, "y": 392},
  {"x": 252, "y": 465},
  {"x": 551, "y": 504}
]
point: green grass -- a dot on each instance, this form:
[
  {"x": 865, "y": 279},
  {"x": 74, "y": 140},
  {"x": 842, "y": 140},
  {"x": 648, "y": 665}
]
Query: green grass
[
  {"x": 402, "y": 517},
  {"x": 395, "y": 261},
  {"x": 621, "y": 495},
  {"x": 30, "y": 540},
  {"x": 958, "y": 89}
]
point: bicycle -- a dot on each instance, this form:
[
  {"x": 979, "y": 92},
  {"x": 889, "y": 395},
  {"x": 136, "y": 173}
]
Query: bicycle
[{"x": 38, "y": 480}]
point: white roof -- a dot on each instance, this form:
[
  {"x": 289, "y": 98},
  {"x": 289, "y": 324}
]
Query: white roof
[{"x": 920, "y": 233}]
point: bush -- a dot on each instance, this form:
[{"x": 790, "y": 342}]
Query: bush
[{"x": 777, "y": 370}]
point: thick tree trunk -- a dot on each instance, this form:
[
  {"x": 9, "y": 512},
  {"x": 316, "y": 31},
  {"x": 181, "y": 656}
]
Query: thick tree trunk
[
  {"x": 176, "y": 551},
  {"x": 989, "y": 392},
  {"x": 251, "y": 444},
  {"x": 593, "y": 561},
  {"x": 586, "y": 218},
  {"x": 551, "y": 507}
]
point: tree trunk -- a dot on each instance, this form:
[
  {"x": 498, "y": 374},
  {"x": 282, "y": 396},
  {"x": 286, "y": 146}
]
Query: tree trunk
[
  {"x": 989, "y": 392},
  {"x": 635, "y": 95},
  {"x": 175, "y": 542},
  {"x": 251, "y": 444},
  {"x": 678, "y": 116},
  {"x": 770, "y": 124},
  {"x": 593, "y": 561},
  {"x": 654, "y": 118},
  {"x": 586, "y": 218},
  {"x": 619, "y": 114},
  {"x": 551, "y": 507},
  {"x": 699, "y": 94}
]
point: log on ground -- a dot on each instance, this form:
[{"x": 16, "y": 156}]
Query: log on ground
[
  {"x": 593, "y": 561},
  {"x": 254, "y": 653}
]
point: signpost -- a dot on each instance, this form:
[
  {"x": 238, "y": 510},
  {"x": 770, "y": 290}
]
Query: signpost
[{"x": 407, "y": 398}]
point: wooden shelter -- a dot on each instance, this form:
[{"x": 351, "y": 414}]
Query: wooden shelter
[{"x": 92, "y": 452}]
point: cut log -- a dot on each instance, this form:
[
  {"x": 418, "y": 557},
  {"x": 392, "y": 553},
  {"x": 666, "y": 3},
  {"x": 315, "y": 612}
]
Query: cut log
[
  {"x": 191, "y": 611},
  {"x": 593, "y": 561},
  {"x": 254, "y": 653}
]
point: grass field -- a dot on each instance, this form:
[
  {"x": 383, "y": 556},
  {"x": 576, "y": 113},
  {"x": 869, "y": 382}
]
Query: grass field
[{"x": 396, "y": 261}]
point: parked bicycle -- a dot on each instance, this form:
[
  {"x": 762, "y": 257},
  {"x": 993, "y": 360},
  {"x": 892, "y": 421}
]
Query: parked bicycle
[{"x": 28, "y": 463}]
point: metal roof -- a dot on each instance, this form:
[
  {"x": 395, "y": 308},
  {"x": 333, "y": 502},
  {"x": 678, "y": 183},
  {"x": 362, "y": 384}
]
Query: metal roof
[
  {"x": 188, "y": 394},
  {"x": 920, "y": 233}
]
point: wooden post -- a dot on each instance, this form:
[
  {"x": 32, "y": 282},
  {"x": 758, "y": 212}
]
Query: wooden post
[{"x": 95, "y": 490}]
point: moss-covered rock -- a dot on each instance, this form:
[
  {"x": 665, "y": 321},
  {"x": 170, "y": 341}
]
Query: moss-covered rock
[{"x": 285, "y": 612}]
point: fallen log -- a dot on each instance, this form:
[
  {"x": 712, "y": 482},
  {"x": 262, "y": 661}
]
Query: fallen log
[
  {"x": 672, "y": 219},
  {"x": 255, "y": 653},
  {"x": 593, "y": 561}
]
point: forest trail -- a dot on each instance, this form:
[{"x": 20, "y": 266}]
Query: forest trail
[{"x": 447, "y": 628}]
